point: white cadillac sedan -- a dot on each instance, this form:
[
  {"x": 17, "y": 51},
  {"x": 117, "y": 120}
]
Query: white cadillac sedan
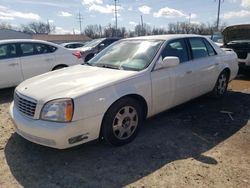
[
  {"x": 112, "y": 94},
  {"x": 21, "y": 59}
]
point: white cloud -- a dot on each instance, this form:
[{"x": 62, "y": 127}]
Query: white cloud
[
  {"x": 64, "y": 14},
  {"x": 104, "y": 9},
  {"x": 10, "y": 14},
  {"x": 132, "y": 23},
  {"x": 145, "y": 9},
  {"x": 236, "y": 14},
  {"x": 245, "y": 3},
  {"x": 169, "y": 13},
  {"x": 91, "y": 2},
  {"x": 193, "y": 15},
  {"x": 60, "y": 30},
  {"x": 130, "y": 8},
  {"x": 51, "y": 21}
]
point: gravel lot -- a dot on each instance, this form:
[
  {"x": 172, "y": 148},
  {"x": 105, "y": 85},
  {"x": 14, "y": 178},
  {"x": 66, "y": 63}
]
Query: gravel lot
[{"x": 193, "y": 145}]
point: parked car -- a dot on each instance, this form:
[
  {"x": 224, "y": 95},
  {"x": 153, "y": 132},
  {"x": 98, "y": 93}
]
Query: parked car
[
  {"x": 95, "y": 46},
  {"x": 237, "y": 37},
  {"x": 217, "y": 38},
  {"x": 73, "y": 45},
  {"x": 110, "y": 96},
  {"x": 22, "y": 59}
]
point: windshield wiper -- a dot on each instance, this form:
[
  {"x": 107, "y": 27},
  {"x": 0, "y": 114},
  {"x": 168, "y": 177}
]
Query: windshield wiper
[{"x": 108, "y": 66}]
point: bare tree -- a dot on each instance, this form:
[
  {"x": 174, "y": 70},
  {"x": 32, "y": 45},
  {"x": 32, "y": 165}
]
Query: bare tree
[
  {"x": 38, "y": 28},
  {"x": 5, "y": 25},
  {"x": 93, "y": 31}
]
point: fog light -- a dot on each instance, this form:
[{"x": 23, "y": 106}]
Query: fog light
[{"x": 78, "y": 139}]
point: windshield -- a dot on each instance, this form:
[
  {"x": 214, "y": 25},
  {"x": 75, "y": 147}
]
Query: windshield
[
  {"x": 217, "y": 38},
  {"x": 127, "y": 55},
  {"x": 93, "y": 43}
]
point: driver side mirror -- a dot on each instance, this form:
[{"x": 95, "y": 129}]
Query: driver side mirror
[{"x": 167, "y": 62}]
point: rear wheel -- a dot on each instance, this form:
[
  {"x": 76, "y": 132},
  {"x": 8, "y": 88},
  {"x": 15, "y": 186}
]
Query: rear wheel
[
  {"x": 221, "y": 85},
  {"x": 122, "y": 122}
]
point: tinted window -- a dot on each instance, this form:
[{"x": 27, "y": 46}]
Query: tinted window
[
  {"x": 176, "y": 48},
  {"x": 210, "y": 49},
  {"x": 198, "y": 48},
  {"x": 27, "y": 49},
  {"x": 41, "y": 48},
  {"x": 7, "y": 51}
]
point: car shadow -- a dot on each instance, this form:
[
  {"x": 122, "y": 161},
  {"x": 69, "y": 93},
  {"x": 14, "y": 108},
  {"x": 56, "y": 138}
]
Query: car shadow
[
  {"x": 6, "y": 95},
  {"x": 186, "y": 131}
]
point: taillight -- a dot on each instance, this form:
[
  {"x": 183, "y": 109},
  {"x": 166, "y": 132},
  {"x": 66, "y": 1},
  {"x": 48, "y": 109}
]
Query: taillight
[{"x": 77, "y": 54}]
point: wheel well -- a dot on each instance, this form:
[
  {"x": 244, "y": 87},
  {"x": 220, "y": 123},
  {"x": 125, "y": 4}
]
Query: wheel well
[
  {"x": 228, "y": 72},
  {"x": 61, "y": 65},
  {"x": 137, "y": 97}
]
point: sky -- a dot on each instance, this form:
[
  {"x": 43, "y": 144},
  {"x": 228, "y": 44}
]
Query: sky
[{"x": 156, "y": 13}]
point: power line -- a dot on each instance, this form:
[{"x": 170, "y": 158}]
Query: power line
[{"x": 80, "y": 20}]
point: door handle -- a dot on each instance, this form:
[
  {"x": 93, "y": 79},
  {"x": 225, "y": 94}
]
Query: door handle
[
  {"x": 216, "y": 64},
  {"x": 189, "y": 72},
  {"x": 13, "y": 64}
]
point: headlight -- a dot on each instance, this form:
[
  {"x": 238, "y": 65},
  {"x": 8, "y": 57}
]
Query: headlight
[{"x": 60, "y": 110}]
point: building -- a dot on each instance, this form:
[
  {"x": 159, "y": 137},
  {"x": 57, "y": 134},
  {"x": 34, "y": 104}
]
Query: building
[
  {"x": 12, "y": 34},
  {"x": 61, "y": 38}
]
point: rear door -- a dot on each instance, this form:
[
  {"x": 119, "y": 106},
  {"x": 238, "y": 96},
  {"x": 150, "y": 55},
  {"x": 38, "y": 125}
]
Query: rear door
[
  {"x": 10, "y": 69},
  {"x": 206, "y": 60},
  {"x": 36, "y": 58}
]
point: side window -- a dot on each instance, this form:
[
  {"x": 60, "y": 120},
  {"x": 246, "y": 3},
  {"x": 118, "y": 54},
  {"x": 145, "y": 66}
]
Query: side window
[
  {"x": 41, "y": 48},
  {"x": 7, "y": 51},
  {"x": 210, "y": 49},
  {"x": 198, "y": 48},
  {"x": 27, "y": 49},
  {"x": 176, "y": 48},
  {"x": 51, "y": 48}
]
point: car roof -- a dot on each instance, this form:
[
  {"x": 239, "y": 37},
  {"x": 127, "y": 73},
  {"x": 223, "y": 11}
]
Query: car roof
[
  {"x": 164, "y": 37},
  {"x": 72, "y": 43},
  {"x": 26, "y": 40}
]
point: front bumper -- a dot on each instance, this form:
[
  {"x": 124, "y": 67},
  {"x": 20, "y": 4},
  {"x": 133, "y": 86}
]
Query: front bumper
[{"x": 55, "y": 135}]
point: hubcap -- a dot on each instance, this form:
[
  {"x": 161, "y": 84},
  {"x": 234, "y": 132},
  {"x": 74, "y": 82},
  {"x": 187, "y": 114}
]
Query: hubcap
[
  {"x": 222, "y": 84},
  {"x": 125, "y": 122}
]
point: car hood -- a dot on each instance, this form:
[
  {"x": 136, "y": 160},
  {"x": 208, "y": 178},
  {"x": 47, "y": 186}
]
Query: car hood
[
  {"x": 71, "y": 82},
  {"x": 236, "y": 33}
]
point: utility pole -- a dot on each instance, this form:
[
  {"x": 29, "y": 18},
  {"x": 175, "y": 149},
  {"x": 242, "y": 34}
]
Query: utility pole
[
  {"x": 80, "y": 19},
  {"x": 116, "y": 17},
  {"x": 218, "y": 15},
  {"x": 142, "y": 21},
  {"x": 189, "y": 19}
]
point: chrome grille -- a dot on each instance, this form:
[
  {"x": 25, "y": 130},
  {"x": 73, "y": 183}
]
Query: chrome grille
[{"x": 25, "y": 106}]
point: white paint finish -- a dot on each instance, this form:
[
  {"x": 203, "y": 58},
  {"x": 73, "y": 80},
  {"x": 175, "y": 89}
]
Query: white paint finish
[
  {"x": 95, "y": 89},
  {"x": 10, "y": 72},
  {"x": 28, "y": 66}
]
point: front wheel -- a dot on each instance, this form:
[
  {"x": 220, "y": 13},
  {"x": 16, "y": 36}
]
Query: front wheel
[
  {"x": 220, "y": 87},
  {"x": 122, "y": 122}
]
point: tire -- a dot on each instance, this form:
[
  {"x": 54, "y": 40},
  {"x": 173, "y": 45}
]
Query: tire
[
  {"x": 220, "y": 87},
  {"x": 58, "y": 67},
  {"x": 122, "y": 122}
]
